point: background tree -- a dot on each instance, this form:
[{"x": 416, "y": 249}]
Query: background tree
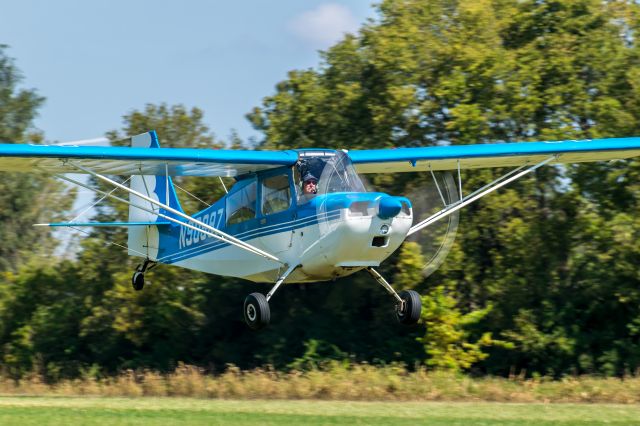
[
  {"x": 18, "y": 191},
  {"x": 25, "y": 199},
  {"x": 450, "y": 72},
  {"x": 542, "y": 278}
]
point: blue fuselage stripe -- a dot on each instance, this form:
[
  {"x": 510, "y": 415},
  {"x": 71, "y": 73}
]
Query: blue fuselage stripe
[{"x": 200, "y": 248}]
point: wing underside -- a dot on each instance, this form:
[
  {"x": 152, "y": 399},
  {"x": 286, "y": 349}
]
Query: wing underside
[
  {"x": 492, "y": 155},
  {"x": 126, "y": 161},
  {"x": 204, "y": 162}
]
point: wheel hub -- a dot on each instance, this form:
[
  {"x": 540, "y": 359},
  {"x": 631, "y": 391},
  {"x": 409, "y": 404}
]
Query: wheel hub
[{"x": 251, "y": 312}]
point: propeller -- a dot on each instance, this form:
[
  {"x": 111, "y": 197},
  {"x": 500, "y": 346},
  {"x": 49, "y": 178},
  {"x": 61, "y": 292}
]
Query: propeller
[{"x": 427, "y": 198}]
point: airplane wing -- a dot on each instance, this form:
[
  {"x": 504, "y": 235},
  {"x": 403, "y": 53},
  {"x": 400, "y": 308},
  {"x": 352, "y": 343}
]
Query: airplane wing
[
  {"x": 127, "y": 161},
  {"x": 492, "y": 155}
]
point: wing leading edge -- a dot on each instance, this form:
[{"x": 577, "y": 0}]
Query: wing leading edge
[
  {"x": 492, "y": 155},
  {"x": 127, "y": 161}
]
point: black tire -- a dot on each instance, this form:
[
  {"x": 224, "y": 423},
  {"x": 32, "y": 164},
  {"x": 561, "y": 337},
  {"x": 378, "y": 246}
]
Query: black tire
[
  {"x": 256, "y": 311},
  {"x": 137, "y": 281},
  {"x": 412, "y": 307}
]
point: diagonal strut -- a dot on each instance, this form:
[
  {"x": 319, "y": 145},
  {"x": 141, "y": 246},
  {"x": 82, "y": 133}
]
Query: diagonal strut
[
  {"x": 213, "y": 232},
  {"x": 498, "y": 183}
]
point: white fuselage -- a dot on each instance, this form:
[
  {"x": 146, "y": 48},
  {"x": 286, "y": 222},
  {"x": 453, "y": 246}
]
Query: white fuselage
[{"x": 325, "y": 250}]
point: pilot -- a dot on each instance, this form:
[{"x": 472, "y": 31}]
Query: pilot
[{"x": 309, "y": 186}]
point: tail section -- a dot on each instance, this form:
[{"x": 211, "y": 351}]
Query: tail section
[{"x": 146, "y": 240}]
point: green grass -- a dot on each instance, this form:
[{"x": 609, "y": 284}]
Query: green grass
[{"x": 25, "y": 411}]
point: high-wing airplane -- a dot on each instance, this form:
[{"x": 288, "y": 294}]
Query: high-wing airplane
[{"x": 293, "y": 216}]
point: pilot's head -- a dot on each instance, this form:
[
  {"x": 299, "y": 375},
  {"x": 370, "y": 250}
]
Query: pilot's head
[{"x": 309, "y": 184}]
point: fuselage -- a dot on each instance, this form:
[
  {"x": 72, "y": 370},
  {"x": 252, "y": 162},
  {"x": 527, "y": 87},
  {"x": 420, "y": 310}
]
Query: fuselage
[{"x": 334, "y": 233}]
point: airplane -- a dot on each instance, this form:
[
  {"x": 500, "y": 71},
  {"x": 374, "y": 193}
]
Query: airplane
[{"x": 292, "y": 216}]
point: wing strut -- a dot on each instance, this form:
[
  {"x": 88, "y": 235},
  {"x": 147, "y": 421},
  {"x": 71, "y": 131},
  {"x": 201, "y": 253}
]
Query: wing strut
[
  {"x": 201, "y": 226},
  {"x": 496, "y": 184},
  {"x": 169, "y": 218}
]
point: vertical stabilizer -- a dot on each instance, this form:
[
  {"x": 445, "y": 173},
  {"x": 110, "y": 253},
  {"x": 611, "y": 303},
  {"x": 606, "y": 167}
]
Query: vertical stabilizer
[{"x": 158, "y": 187}]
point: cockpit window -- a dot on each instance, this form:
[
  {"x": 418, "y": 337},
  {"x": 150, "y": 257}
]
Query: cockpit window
[
  {"x": 241, "y": 205},
  {"x": 332, "y": 171}
]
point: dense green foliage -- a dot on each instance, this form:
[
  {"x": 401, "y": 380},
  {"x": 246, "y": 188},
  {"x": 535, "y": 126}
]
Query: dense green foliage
[
  {"x": 18, "y": 212},
  {"x": 543, "y": 278},
  {"x": 547, "y": 264}
]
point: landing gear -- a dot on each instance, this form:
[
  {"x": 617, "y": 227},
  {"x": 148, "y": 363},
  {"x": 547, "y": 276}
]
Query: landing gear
[
  {"x": 137, "y": 279},
  {"x": 256, "y": 311},
  {"x": 256, "y": 306},
  {"x": 409, "y": 312},
  {"x": 409, "y": 305}
]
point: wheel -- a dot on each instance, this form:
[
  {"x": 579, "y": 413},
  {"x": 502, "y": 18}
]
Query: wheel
[
  {"x": 256, "y": 311},
  {"x": 412, "y": 307},
  {"x": 137, "y": 281}
]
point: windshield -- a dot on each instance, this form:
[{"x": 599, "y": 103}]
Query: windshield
[{"x": 332, "y": 172}]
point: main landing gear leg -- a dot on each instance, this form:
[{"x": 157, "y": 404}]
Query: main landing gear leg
[
  {"x": 137, "y": 279},
  {"x": 409, "y": 305},
  {"x": 256, "y": 306}
]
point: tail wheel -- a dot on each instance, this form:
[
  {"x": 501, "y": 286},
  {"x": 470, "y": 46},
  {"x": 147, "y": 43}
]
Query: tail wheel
[
  {"x": 409, "y": 312},
  {"x": 256, "y": 311},
  {"x": 137, "y": 280}
]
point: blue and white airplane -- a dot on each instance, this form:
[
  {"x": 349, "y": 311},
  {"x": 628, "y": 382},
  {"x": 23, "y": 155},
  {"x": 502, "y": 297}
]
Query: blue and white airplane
[{"x": 294, "y": 216}]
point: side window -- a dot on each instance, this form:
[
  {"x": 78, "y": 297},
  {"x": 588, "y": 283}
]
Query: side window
[
  {"x": 241, "y": 205},
  {"x": 276, "y": 195}
]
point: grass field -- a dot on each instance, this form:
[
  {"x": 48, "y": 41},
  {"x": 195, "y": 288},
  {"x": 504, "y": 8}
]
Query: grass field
[{"x": 27, "y": 410}]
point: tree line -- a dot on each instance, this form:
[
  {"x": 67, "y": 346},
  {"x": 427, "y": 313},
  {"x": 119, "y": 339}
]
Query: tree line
[{"x": 543, "y": 275}]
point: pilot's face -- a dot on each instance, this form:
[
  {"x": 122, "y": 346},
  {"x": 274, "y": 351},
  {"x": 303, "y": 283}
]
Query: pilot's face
[{"x": 310, "y": 187}]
